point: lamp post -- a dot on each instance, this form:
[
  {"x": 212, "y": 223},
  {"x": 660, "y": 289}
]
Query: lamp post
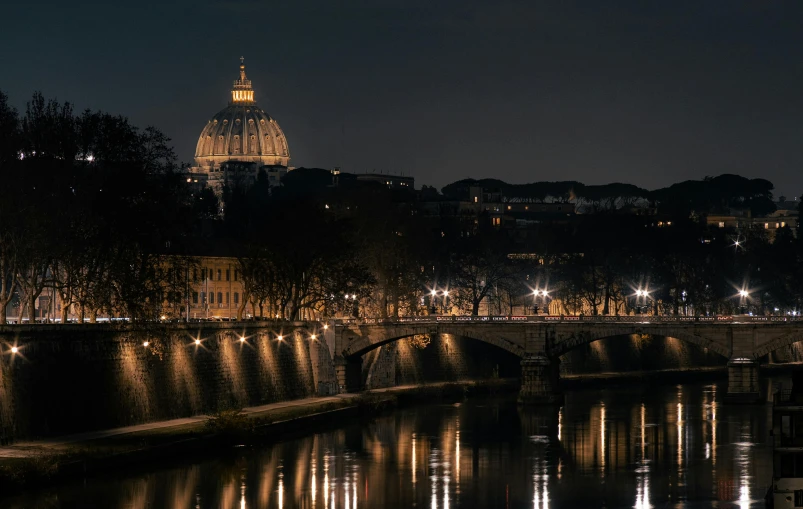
[
  {"x": 744, "y": 295},
  {"x": 432, "y": 294},
  {"x": 641, "y": 300},
  {"x": 544, "y": 295}
]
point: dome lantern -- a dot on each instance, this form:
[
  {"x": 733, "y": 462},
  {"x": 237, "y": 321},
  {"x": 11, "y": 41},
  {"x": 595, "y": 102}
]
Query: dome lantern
[{"x": 242, "y": 93}]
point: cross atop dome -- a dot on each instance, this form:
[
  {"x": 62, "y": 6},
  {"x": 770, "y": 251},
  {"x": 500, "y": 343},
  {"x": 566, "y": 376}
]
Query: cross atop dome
[{"x": 242, "y": 93}]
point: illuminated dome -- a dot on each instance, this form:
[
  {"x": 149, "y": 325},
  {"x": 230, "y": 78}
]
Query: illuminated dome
[{"x": 242, "y": 132}]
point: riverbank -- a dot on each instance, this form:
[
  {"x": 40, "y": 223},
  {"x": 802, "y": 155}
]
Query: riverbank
[
  {"x": 654, "y": 376},
  {"x": 32, "y": 463}
]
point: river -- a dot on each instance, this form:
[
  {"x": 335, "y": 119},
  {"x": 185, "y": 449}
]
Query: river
[{"x": 629, "y": 446}]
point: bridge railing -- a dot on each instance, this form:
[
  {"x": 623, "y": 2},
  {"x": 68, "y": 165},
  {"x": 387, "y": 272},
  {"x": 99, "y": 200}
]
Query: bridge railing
[{"x": 567, "y": 318}]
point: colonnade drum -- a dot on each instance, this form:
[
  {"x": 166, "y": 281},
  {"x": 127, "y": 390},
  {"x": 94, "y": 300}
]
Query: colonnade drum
[{"x": 540, "y": 344}]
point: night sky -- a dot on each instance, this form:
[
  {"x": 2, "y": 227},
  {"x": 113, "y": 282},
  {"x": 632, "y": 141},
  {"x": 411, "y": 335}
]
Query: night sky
[{"x": 645, "y": 92}]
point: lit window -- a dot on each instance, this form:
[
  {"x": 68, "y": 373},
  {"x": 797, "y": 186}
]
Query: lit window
[
  {"x": 766, "y": 226},
  {"x": 776, "y": 225},
  {"x": 476, "y": 199},
  {"x": 722, "y": 224},
  {"x": 526, "y": 207},
  {"x": 508, "y": 207},
  {"x": 783, "y": 224}
]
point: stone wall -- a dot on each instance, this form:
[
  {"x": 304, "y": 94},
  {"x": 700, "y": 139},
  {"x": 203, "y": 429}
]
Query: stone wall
[
  {"x": 67, "y": 379},
  {"x": 445, "y": 358}
]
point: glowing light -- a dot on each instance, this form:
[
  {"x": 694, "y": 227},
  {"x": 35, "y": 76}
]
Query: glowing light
[
  {"x": 457, "y": 461},
  {"x": 313, "y": 336},
  {"x": 325, "y": 326},
  {"x": 326, "y": 483},
  {"x": 164, "y": 317},
  {"x": 281, "y": 491},
  {"x": 744, "y": 293},
  {"x": 413, "y": 460},
  {"x": 242, "y": 339},
  {"x": 680, "y": 429},
  {"x": 145, "y": 344},
  {"x": 197, "y": 342},
  {"x": 714, "y": 430},
  {"x": 643, "y": 438},
  {"x": 446, "y": 490},
  {"x": 446, "y": 293},
  {"x": 602, "y": 436},
  {"x": 314, "y": 490},
  {"x": 14, "y": 349},
  {"x": 433, "y": 292},
  {"x": 280, "y": 337}
]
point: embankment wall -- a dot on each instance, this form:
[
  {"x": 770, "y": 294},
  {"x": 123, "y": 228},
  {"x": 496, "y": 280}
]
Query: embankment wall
[{"x": 69, "y": 379}]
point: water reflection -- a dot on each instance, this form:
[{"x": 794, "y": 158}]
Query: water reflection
[{"x": 619, "y": 447}]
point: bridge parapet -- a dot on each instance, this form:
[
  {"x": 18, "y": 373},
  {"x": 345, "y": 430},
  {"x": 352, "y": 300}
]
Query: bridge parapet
[
  {"x": 548, "y": 337},
  {"x": 736, "y": 319}
]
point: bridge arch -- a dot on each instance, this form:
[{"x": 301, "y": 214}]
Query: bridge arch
[
  {"x": 778, "y": 343},
  {"x": 363, "y": 344},
  {"x": 575, "y": 340}
]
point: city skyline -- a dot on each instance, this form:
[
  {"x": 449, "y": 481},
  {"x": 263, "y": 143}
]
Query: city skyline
[{"x": 647, "y": 95}]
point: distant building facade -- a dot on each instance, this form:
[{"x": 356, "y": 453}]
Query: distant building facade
[{"x": 785, "y": 216}]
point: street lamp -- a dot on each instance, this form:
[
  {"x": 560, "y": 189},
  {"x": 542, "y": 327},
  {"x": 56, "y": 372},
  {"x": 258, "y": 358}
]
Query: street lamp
[
  {"x": 544, "y": 294},
  {"x": 641, "y": 304},
  {"x": 744, "y": 295},
  {"x": 432, "y": 294}
]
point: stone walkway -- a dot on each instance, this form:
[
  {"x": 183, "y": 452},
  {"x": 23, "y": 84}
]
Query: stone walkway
[
  {"x": 39, "y": 447},
  {"x": 52, "y": 445}
]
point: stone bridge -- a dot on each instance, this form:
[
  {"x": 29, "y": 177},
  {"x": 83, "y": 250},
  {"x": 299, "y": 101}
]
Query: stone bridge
[{"x": 540, "y": 341}]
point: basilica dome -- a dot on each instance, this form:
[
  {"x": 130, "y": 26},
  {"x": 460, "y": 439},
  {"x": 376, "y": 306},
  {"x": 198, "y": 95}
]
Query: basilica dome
[{"x": 242, "y": 132}]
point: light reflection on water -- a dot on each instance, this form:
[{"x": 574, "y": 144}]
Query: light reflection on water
[{"x": 672, "y": 446}]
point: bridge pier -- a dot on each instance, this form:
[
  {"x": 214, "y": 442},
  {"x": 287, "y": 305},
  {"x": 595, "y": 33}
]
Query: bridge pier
[
  {"x": 743, "y": 386},
  {"x": 539, "y": 381},
  {"x": 348, "y": 371}
]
